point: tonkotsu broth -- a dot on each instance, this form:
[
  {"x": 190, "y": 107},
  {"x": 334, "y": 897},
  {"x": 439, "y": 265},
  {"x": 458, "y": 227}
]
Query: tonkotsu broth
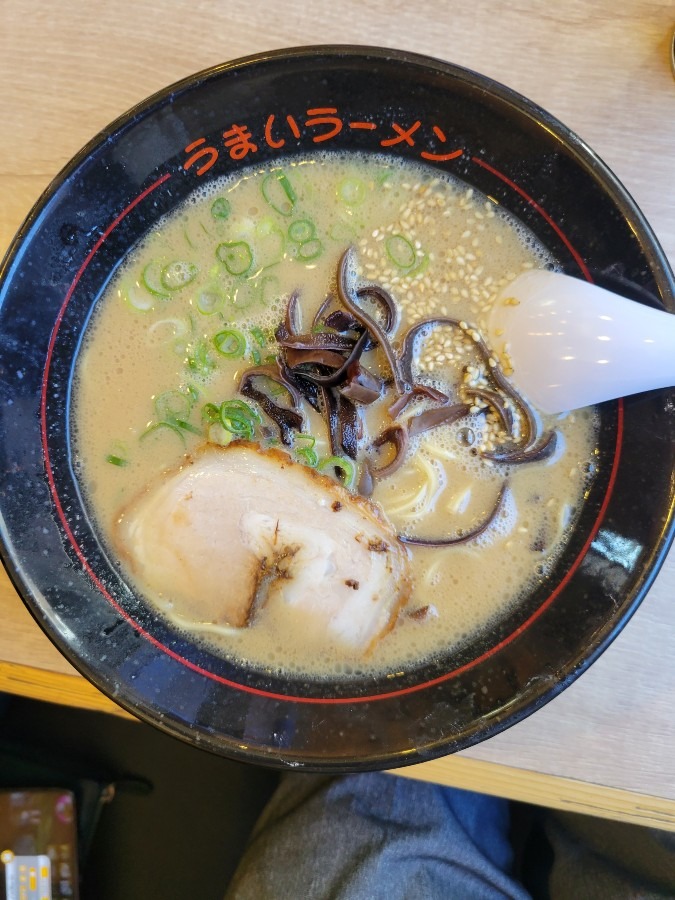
[{"x": 440, "y": 249}]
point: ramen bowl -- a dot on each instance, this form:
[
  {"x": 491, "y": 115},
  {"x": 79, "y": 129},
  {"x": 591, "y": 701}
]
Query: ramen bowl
[{"x": 258, "y": 110}]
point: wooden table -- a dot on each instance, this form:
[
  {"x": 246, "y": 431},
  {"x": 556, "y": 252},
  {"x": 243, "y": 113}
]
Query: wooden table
[{"x": 605, "y": 746}]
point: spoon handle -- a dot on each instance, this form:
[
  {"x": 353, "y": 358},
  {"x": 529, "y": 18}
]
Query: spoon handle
[{"x": 573, "y": 344}]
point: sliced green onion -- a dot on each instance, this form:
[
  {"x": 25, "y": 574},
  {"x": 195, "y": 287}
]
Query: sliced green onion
[
  {"x": 268, "y": 288},
  {"x": 270, "y": 244},
  {"x": 153, "y": 429},
  {"x": 301, "y": 231},
  {"x": 186, "y": 426},
  {"x": 152, "y": 279},
  {"x": 118, "y": 455},
  {"x": 230, "y": 343},
  {"x": 267, "y": 226},
  {"x": 400, "y": 251},
  {"x": 210, "y": 301},
  {"x": 310, "y": 250},
  {"x": 352, "y": 191},
  {"x": 116, "y": 460},
  {"x": 138, "y": 297},
  {"x": 278, "y": 193},
  {"x": 239, "y": 418},
  {"x": 178, "y": 275},
  {"x": 192, "y": 394},
  {"x": 342, "y": 463},
  {"x": 255, "y": 356},
  {"x": 236, "y": 256},
  {"x": 169, "y": 328},
  {"x": 245, "y": 295},
  {"x": 219, "y": 435},
  {"x": 196, "y": 234},
  {"x": 258, "y": 335},
  {"x": 220, "y": 208},
  {"x": 239, "y": 426},
  {"x": 172, "y": 409},
  {"x": 172, "y": 405},
  {"x": 422, "y": 266},
  {"x": 210, "y": 413},
  {"x": 233, "y": 406},
  {"x": 199, "y": 360},
  {"x": 308, "y": 456}
]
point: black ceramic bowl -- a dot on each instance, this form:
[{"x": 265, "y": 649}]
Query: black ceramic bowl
[{"x": 111, "y": 194}]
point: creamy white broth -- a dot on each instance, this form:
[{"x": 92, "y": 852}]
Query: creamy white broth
[{"x": 440, "y": 249}]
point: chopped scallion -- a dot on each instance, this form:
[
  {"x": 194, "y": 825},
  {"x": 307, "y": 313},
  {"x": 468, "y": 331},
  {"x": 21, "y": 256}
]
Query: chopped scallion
[
  {"x": 199, "y": 360},
  {"x": 177, "y": 275},
  {"x": 301, "y": 231},
  {"x": 245, "y": 295},
  {"x": 172, "y": 405},
  {"x": 268, "y": 288},
  {"x": 138, "y": 297},
  {"x": 220, "y": 208},
  {"x": 218, "y": 435},
  {"x": 240, "y": 406},
  {"x": 186, "y": 426},
  {"x": 236, "y": 256},
  {"x": 308, "y": 456},
  {"x": 239, "y": 418},
  {"x": 352, "y": 191},
  {"x": 116, "y": 460},
  {"x": 230, "y": 343},
  {"x": 310, "y": 250},
  {"x": 341, "y": 463},
  {"x": 210, "y": 413},
  {"x": 210, "y": 301},
  {"x": 400, "y": 251},
  {"x": 257, "y": 333},
  {"x": 152, "y": 279},
  {"x": 270, "y": 245},
  {"x": 278, "y": 193},
  {"x": 192, "y": 394},
  {"x": 267, "y": 226},
  {"x": 158, "y": 426}
]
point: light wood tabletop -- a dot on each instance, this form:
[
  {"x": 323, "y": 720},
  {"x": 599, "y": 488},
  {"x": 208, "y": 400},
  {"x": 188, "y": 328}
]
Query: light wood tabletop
[{"x": 605, "y": 746}]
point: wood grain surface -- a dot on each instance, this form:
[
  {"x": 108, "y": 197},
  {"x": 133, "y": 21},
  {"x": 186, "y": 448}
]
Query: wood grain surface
[{"x": 606, "y": 744}]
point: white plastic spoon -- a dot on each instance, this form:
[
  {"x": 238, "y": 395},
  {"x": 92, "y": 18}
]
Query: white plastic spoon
[{"x": 573, "y": 344}]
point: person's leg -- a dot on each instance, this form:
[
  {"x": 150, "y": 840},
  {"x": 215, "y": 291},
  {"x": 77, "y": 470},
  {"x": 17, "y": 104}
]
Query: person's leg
[
  {"x": 600, "y": 859},
  {"x": 377, "y": 836}
]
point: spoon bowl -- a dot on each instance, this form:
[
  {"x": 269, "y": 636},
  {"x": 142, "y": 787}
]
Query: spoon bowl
[{"x": 571, "y": 343}]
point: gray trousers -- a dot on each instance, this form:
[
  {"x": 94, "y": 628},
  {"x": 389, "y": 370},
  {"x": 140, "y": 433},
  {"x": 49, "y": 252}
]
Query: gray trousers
[{"x": 372, "y": 836}]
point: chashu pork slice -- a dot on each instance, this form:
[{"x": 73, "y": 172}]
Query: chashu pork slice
[{"x": 238, "y": 528}]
